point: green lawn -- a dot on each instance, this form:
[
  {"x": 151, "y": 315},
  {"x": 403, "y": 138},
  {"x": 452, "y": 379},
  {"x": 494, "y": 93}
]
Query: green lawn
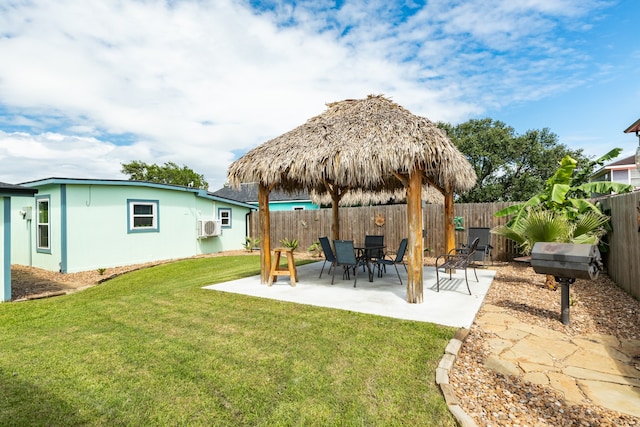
[{"x": 153, "y": 348}]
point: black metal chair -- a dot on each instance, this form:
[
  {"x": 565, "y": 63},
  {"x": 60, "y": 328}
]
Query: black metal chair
[
  {"x": 458, "y": 258},
  {"x": 382, "y": 262},
  {"x": 329, "y": 256},
  {"x": 346, "y": 257},
  {"x": 483, "y": 252},
  {"x": 376, "y": 242}
]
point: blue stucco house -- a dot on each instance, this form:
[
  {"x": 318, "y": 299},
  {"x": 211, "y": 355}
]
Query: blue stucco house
[
  {"x": 8, "y": 192},
  {"x": 75, "y": 225}
]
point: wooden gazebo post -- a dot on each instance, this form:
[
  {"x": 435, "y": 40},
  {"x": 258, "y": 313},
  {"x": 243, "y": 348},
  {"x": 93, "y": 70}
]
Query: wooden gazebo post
[
  {"x": 336, "y": 195},
  {"x": 265, "y": 232},
  {"x": 449, "y": 237},
  {"x": 335, "y": 218},
  {"x": 414, "y": 246}
]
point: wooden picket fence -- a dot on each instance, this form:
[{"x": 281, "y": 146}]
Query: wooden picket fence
[
  {"x": 307, "y": 225},
  {"x": 623, "y": 258}
]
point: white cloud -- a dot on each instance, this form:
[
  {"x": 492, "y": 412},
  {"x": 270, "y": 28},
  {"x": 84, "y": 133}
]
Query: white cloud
[{"x": 195, "y": 82}]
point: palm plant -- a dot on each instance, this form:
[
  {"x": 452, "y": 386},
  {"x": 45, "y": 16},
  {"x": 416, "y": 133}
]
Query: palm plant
[
  {"x": 291, "y": 244},
  {"x": 562, "y": 212},
  {"x": 540, "y": 225}
]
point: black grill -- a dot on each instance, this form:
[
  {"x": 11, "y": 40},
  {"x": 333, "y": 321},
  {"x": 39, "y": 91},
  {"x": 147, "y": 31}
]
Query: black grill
[{"x": 566, "y": 262}]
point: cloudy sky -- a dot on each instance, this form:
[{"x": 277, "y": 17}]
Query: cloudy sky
[{"x": 86, "y": 85}]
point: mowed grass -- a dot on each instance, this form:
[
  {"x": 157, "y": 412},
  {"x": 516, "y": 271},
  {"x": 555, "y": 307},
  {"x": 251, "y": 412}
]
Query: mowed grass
[{"x": 153, "y": 348}]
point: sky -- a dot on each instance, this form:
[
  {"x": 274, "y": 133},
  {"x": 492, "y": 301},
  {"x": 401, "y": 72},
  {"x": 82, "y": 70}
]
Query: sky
[{"x": 86, "y": 85}]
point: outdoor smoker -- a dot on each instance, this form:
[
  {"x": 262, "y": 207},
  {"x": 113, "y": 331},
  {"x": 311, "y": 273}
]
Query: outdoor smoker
[{"x": 566, "y": 262}]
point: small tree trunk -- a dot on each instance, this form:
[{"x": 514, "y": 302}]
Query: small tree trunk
[{"x": 550, "y": 282}]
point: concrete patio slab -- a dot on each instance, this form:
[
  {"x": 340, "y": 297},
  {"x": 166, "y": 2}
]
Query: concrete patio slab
[{"x": 452, "y": 306}]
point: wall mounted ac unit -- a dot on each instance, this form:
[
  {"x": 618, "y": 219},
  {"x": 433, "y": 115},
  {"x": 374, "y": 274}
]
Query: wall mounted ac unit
[{"x": 209, "y": 228}]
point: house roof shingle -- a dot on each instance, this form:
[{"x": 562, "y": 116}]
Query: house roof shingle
[
  {"x": 248, "y": 193},
  {"x": 15, "y": 190}
]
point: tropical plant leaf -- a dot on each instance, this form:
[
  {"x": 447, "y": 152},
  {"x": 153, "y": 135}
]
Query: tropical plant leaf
[
  {"x": 546, "y": 226},
  {"x": 586, "y": 239},
  {"x": 559, "y": 193},
  {"x": 605, "y": 187},
  {"x": 509, "y": 233},
  {"x": 564, "y": 172},
  {"x": 584, "y": 205},
  {"x": 509, "y": 210},
  {"x": 590, "y": 224}
]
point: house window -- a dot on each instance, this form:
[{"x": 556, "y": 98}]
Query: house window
[
  {"x": 224, "y": 215},
  {"x": 142, "y": 216},
  {"x": 620, "y": 176},
  {"x": 43, "y": 225}
]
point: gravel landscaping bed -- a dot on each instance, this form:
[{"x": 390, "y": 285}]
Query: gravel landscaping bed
[{"x": 492, "y": 399}]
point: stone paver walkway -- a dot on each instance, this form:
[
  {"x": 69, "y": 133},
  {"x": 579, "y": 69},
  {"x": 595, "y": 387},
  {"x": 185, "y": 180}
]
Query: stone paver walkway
[{"x": 601, "y": 369}]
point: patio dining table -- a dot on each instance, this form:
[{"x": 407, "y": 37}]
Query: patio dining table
[{"x": 367, "y": 253}]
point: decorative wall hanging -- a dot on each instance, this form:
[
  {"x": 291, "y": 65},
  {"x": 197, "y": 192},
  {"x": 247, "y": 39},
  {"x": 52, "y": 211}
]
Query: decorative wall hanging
[
  {"x": 458, "y": 223},
  {"x": 379, "y": 221}
]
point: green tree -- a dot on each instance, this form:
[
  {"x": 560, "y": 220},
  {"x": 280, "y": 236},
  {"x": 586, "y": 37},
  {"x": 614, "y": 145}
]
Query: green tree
[
  {"x": 169, "y": 173},
  {"x": 510, "y": 167}
]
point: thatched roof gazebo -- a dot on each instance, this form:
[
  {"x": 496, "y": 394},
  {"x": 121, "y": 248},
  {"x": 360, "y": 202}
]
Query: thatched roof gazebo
[{"x": 371, "y": 145}]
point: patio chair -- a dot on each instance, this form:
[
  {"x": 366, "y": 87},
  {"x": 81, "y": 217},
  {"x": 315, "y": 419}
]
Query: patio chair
[
  {"x": 329, "y": 256},
  {"x": 383, "y": 262},
  {"x": 458, "y": 258},
  {"x": 483, "y": 252},
  {"x": 376, "y": 242},
  {"x": 346, "y": 258}
]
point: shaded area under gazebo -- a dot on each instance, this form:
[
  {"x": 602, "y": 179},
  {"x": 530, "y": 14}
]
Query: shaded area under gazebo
[{"x": 370, "y": 145}]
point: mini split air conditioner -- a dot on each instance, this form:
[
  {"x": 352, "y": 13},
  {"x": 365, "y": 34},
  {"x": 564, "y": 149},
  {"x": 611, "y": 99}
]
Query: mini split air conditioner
[{"x": 209, "y": 228}]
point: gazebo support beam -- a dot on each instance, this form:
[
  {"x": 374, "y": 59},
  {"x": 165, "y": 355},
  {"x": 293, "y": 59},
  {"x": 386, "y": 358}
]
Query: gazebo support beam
[
  {"x": 449, "y": 236},
  {"x": 265, "y": 232},
  {"x": 415, "y": 242},
  {"x": 335, "y": 218},
  {"x": 336, "y": 196}
]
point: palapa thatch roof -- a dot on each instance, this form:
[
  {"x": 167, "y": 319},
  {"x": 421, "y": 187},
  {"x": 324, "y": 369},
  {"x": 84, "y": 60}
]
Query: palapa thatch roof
[
  {"x": 356, "y": 144},
  {"x": 365, "y": 198}
]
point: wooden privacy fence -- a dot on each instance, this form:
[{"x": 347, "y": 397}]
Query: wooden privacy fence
[
  {"x": 623, "y": 258},
  {"x": 307, "y": 225}
]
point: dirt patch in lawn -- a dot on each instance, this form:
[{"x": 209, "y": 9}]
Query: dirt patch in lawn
[{"x": 29, "y": 283}]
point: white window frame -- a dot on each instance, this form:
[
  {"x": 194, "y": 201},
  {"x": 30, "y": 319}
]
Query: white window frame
[
  {"x": 39, "y": 225},
  {"x": 132, "y": 215},
  {"x": 224, "y": 216}
]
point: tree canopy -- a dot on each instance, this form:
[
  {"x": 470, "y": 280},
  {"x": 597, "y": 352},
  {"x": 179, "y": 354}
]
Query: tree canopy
[
  {"x": 169, "y": 173},
  {"x": 510, "y": 167}
]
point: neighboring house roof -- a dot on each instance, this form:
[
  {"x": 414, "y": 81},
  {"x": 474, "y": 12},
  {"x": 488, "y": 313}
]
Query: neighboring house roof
[
  {"x": 248, "y": 193},
  {"x": 635, "y": 127},
  {"x": 626, "y": 163},
  {"x": 197, "y": 191},
  {"x": 15, "y": 190}
]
